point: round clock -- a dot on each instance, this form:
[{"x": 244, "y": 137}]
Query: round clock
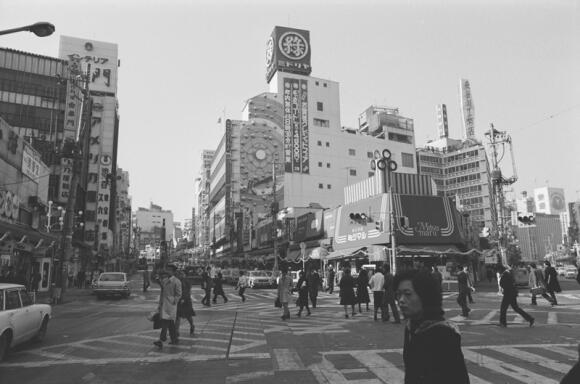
[{"x": 269, "y": 51}]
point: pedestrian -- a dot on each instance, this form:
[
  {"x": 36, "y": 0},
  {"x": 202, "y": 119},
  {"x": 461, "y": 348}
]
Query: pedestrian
[
  {"x": 347, "y": 296},
  {"x": 330, "y": 280},
  {"x": 362, "y": 290},
  {"x": 463, "y": 288},
  {"x": 489, "y": 274},
  {"x": 35, "y": 281},
  {"x": 339, "y": 275},
  {"x": 302, "y": 289},
  {"x": 552, "y": 284},
  {"x": 185, "y": 305},
  {"x": 218, "y": 288},
  {"x": 242, "y": 285},
  {"x": 432, "y": 346},
  {"x": 146, "y": 281},
  {"x": 206, "y": 285},
  {"x": 510, "y": 294},
  {"x": 313, "y": 286},
  {"x": 573, "y": 375},
  {"x": 437, "y": 276},
  {"x": 285, "y": 291},
  {"x": 537, "y": 284},
  {"x": 470, "y": 285},
  {"x": 390, "y": 297},
  {"x": 377, "y": 285},
  {"x": 168, "y": 299},
  {"x": 70, "y": 279}
]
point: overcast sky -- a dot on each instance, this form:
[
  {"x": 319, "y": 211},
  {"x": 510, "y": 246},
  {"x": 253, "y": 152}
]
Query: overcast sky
[{"x": 184, "y": 64}]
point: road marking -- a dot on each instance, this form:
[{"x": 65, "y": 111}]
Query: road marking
[
  {"x": 506, "y": 369},
  {"x": 248, "y": 377},
  {"x": 536, "y": 359},
  {"x": 564, "y": 351},
  {"x": 486, "y": 319},
  {"x": 380, "y": 367},
  {"x": 552, "y": 318},
  {"x": 287, "y": 360}
]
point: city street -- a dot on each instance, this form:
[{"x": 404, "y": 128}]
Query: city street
[{"x": 110, "y": 341}]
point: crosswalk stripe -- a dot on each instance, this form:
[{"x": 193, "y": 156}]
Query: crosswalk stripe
[
  {"x": 564, "y": 351},
  {"x": 510, "y": 370},
  {"x": 552, "y": 318},
  {"x": 487, "y": 318},
  {"x": 518, "y": 319},
  {"x": 536, "y": 359},
  {"x": 382, "y": 368},
  {"x": 287, "y": 359}
]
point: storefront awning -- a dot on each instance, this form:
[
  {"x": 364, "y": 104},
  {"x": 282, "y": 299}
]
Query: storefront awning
[
  {"x": 343, "y": 253},
  {"x": 433, "y": 249}
]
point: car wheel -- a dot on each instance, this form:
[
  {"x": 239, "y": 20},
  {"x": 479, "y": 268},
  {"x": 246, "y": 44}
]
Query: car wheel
[
  {"x": 4, "y": 345},
  {"x": 42, "y": 330}
]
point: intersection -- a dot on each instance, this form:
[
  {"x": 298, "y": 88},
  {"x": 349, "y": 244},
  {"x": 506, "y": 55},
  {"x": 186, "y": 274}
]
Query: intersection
[{"x": 110, "y": 341}]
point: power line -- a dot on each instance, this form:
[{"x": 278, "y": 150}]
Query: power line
[{"x": 549, "y": 117}]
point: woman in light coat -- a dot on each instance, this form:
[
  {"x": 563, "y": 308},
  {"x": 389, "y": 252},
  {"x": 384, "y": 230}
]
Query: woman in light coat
[
  {"x": 168, "y": 300},
  {"x": 285, "y": 291}
]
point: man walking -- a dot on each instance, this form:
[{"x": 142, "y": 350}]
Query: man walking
[
  {"x": 510, "y": 294},
  {"x": 206, "y": 284},
  {"x": 432, "y": 346},
  {"x": 313, "y": 285},
  {"x": 390, "y": 296},
  {"x": 463, "y": 287},
  {"x": 168, "y": 300},
  {"x": 537, "y": 284},
  {"x": 437, "y": 275},
  {"x": 330, "y": 279},
  {"x": 377, "y": 285},
  {"x": 242, "y": 284},
  {"x": 552, "y": 284}
]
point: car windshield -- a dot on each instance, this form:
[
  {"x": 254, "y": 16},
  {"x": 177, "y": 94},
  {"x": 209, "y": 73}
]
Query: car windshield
[
  {"x": 257, "y": 273},
  {"x": 112, "y": 277}
]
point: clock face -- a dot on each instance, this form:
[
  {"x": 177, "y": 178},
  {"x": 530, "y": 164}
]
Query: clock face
[
  {"x": 269, "y": 51},
  {"x": 557, "y": 201}
]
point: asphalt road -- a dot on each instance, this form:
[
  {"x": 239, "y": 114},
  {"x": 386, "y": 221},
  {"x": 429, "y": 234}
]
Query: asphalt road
[{"x": 110, "y": 341}]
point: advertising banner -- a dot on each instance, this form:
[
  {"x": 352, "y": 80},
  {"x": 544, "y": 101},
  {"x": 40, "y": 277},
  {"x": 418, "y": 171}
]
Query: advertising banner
[
  {"x": 66, "y": 169},
  {"x": 426, "y": 220},
  {"x": 296, "y": 143},
  {"x": 31, "y": 163},
  {"x": 467, "y": 109},
  {"x": 288, "y": 50}
]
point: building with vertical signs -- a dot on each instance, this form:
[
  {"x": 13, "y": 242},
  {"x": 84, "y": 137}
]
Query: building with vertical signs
[{"x": 100, "y": 61}]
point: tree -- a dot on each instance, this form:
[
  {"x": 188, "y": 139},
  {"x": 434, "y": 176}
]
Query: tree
[{"x": 513, "y": 254}]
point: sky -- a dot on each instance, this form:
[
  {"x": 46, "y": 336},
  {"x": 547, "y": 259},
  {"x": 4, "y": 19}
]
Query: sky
[{"x": 184, "y": 64}]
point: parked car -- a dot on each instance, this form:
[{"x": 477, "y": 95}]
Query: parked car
[
  {"x": 571, "y": 272},
  {"x": 112, "y": 284},
  {"x": 561, "y": 271},
  {"x": 21, "y": 319},
  {"x": 258, "y": 279}
]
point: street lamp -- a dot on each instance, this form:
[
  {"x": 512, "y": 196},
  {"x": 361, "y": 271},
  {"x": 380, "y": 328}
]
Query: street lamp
[{"x": 40, "y": 29}]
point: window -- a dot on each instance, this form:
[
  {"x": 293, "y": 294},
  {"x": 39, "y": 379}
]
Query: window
[
  {"x": 12, "y": 300},
  {"x": 325, "y": 85},
  {"x": 327, "y": 144},
  {"x": 327, "y": 165},
  {"x": 316, "y": 82},
  {"x": 352, "y": 172},
  {"x": 104, "y": 236},
  {"x": 26, "y": 299},
  {"x": 320, "y": 163},
  {"x": 320, "y": 186},
  {"x": 319, "y": 106},
  {"x": 371, "y": 174},
  {"x": 400, "y": 138},
  {"x": 407, "y": 159},
  {"x": 328, "y": 186},
  {"x": 351, "y": 152},
  {"x": 370, "y": 155},
  {"x": 319, "y": 143},
  {"x": 321, "y": 123},
  {"x": 91, "y": 196}
]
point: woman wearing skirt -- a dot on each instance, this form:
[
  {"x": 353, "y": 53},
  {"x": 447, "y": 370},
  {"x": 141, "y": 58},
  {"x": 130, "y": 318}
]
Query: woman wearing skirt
[{"x": 347, "y": 296}]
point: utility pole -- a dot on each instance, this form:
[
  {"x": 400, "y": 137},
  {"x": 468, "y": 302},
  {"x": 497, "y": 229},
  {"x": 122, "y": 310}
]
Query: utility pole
[
  {"x": 496, "y": 139},
  {"x": 274, "y": 210}
]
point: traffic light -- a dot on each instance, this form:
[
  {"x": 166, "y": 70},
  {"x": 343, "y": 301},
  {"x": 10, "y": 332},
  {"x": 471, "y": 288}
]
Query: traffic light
[
  {"x": 360, "y": 218},
  {"x": 379, "y": 225},
  {"x": 527, "y": 220}
]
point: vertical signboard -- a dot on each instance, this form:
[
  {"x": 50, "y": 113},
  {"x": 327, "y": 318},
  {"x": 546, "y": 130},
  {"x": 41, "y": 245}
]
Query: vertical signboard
[
  {"x": 103, "y": 195},
  {"x": 66, "y": 166},
  {"x": 296, "y": 135},
  {"x": 73, "y": 99},
  {"x": 442, "y": 125},
  {"x": 467, "y": 109},
  {"x": 31, "y": 163},
  {"x": 228, "y": 155}
]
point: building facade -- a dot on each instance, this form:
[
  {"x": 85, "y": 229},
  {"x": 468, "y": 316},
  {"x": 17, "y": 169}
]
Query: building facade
[
  {"x": 123, "y": 222},
  {"x": 541, "y": 239}
]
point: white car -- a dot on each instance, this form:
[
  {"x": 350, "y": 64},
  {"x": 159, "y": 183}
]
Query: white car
[
  {"x": 561, "y": 271},
  {"x": 20, "y": 318},
  {"x": 257, "y": 279},
  {"x": 112, "y": 283},
  {"x": 571, "y": 272}
]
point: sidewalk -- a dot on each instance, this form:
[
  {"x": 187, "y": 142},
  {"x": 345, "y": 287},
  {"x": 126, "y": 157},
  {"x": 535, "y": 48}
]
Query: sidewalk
[{"x": 69, "y": 295}]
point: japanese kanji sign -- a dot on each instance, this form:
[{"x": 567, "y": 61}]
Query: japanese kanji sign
[
  {"x": 288, "y": 50},
  {"x": 296, "y": 136}
]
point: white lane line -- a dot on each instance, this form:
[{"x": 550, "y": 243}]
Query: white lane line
[
  {"x": 518, "y": 319},
  {"x": 487, "y": 318},
  {"x": 380, "y": 367},
  {"x": 287, "y": 360},
  {"x": 564, "y": 351},
  {"x": 237, "y": 348},
  {"x": 552, "y": 318},
  {"x": 536, "y": 359},
  {"x": 506, "y": 369},
  {"x": 248, "y": 377}
]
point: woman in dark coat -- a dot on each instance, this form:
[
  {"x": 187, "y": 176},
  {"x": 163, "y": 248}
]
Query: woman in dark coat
[
  {"x": 551, "y": 279},
  {"x": 362, "y": 292},
  {"x": 185, "y": 305},
  {"x": 302, "y": 288},
  {"x": 347, "y": 296}
]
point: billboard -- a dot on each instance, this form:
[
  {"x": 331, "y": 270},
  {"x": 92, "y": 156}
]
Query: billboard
[
  {"x": 288, "y": 50},
  {"x": 296, "y": 131},
  {"x": 442, "y": 125},
  {"x": 467, "y": 109},
  {"x": 101, "y": 56}
]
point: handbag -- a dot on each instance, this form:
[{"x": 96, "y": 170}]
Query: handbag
[
  {"x": 538, "y": 290},
  {"x": 157, "y": 321},
  {"x": 277, "y": 303}
]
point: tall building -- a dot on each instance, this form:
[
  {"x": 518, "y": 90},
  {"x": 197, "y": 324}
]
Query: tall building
[
  {"x": 122, "y": 237},
  {"x": 100, "y": 60},
  {"x": 202, "y": 187},
  {"x": 151, "y": 223},
  {"x": 460, "y": 168},
  {"x": 290, "y": 151}
]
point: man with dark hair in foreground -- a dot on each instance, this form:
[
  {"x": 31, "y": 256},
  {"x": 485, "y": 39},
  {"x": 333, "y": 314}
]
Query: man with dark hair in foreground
[{"x": 432, "y": 346}]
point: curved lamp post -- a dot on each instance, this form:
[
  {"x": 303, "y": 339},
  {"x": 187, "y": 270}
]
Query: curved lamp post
[{"x": 40, "y": 29}]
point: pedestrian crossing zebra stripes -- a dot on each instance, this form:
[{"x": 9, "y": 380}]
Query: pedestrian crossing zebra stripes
[{"x": 528, "y": 363}]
